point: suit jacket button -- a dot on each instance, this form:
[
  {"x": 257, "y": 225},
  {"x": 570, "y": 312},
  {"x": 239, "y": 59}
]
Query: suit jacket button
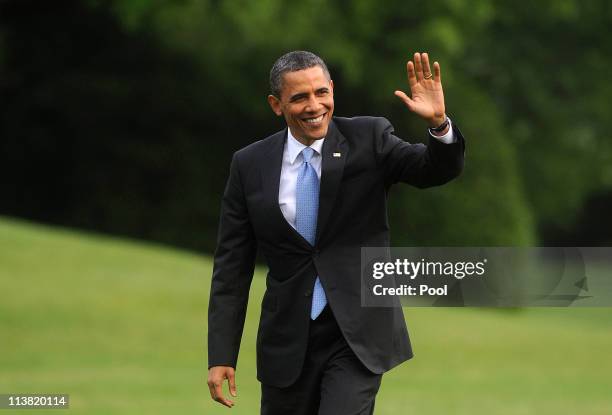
[{"x": 308, "y": 293}]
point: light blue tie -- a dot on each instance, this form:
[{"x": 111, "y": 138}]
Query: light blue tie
[{"x": 306, "y": 210}]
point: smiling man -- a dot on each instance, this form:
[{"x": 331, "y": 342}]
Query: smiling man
[
  {"x": 306, "y": 99},
  {"x": 309, "y": 197}
]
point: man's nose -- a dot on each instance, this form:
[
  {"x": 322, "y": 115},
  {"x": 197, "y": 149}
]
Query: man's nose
[{"x": 313, "y": 105}]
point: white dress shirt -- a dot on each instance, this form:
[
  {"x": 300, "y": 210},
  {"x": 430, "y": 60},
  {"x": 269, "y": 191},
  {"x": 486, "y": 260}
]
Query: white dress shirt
[{"x": 293, "y": 160}]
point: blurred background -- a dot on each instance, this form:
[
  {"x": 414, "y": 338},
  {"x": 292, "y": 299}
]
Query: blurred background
[{"x": 118, "y": 120}]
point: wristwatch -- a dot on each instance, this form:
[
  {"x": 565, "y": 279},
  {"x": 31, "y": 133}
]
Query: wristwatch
[{"x": 441, "y": 127}]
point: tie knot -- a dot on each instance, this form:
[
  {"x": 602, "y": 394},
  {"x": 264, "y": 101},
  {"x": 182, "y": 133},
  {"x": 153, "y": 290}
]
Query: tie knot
[{"x": 307, "y": 153}]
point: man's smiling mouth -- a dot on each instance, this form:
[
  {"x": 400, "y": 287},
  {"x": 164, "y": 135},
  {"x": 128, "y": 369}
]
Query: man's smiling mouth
[{"x": 314, "y": 120}]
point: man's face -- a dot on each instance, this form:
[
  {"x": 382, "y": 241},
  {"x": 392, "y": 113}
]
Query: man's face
[{"x": 306, "y": 102}]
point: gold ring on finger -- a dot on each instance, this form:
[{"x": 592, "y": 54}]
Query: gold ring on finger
[{"x": 428, "y": 76}]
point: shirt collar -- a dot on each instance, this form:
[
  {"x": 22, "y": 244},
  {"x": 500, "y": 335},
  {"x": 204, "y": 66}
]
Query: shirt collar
[{"x": 294, "y": 147}]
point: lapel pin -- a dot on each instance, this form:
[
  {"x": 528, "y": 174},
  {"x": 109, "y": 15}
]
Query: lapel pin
[{"x": 337, "y": 154}]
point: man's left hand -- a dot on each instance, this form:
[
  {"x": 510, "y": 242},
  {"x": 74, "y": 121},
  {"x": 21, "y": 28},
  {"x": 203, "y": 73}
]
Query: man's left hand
[{"x": 426, "y": 90}]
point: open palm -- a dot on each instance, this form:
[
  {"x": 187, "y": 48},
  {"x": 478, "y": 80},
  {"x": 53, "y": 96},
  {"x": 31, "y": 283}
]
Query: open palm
[{"x": 427, "y": 97}]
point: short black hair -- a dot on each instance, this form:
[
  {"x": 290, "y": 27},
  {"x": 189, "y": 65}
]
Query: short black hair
[{"x": 296, "y": 60}]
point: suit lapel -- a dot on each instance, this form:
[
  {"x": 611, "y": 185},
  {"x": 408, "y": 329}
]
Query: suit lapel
[
  {"x": 270, "y": 174},
  {"x": 335, "y": 152}
]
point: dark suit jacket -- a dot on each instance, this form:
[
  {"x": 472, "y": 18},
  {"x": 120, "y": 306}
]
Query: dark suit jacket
[{"x": 352, "y": 214}]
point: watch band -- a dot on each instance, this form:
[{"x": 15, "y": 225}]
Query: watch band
[{"x": 441, "y": 127}]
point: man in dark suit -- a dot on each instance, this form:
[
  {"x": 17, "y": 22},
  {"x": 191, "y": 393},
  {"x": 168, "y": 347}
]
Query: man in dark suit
[{"x": 309, "y": 197}]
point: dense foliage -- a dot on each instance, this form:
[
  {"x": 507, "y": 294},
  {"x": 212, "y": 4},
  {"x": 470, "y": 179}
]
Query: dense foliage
[{"x": 122, "y": 116}]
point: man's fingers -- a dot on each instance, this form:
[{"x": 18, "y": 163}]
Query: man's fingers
[
  {"x": 407, "y": 100},
  {"x": 425, "y": 65},
  {"x": 437, "y": 72},
  {"x": 231, "y": 378},
  {"x": 418, "y": 67},
  {"x": 218, "y": 396},
  {"x": 412, "y": 80},
  {"x": 215, "y": 386}
]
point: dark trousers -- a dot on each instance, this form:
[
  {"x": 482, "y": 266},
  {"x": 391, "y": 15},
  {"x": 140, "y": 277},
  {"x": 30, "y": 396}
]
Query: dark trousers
[{"x": 333, "y": 381}]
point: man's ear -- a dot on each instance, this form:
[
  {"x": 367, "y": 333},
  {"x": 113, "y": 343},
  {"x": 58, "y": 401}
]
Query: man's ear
[
  {"x": 275, "y": 104},
  {"x": 331, "y": 86}
]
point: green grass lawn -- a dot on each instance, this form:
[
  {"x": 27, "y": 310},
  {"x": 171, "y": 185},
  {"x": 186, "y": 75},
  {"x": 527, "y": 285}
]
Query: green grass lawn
[{"x": 121, "y": 327}]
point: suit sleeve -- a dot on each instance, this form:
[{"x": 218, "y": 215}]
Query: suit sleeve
[
  {"x": 417, "y": 164},
  {"x": 232, "y": 274}
]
